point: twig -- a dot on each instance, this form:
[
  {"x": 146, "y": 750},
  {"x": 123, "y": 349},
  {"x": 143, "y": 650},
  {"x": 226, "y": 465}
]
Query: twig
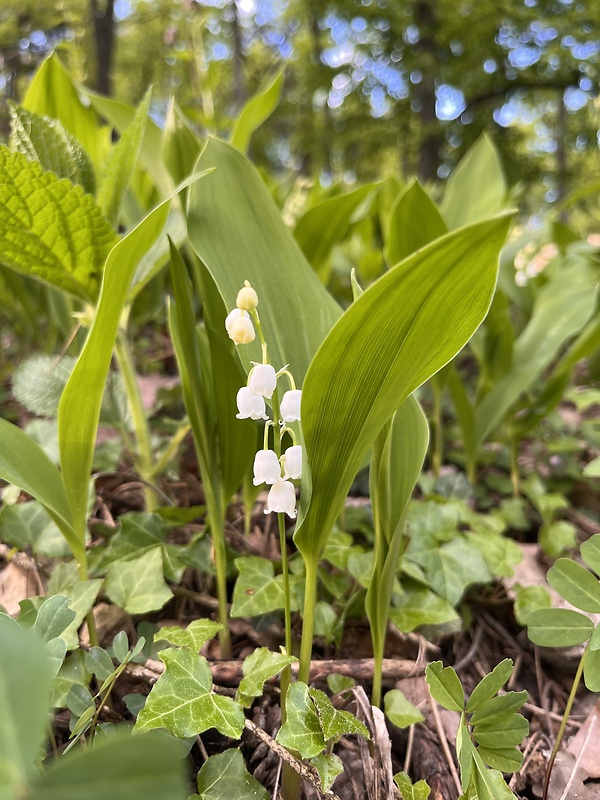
[
  {"x": 565, "y": 793},
  {"x": 474, "y": 646},
  {"x": 409, "y": 748},
  {"x": 308, "y": 774},
  {"x": 444, "y": 742}
]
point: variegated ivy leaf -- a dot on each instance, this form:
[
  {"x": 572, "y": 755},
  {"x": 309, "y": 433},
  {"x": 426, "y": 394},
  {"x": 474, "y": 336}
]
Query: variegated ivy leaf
[
  {"x": 260, "y": 665},
  {"x": 182, "y": 700},
  {"x": 194, "y": 636},
  {"x": 328, "y": 767},
  {"x": 50, "y": 229},
  {"x": 335, "y": 723},
  {"x": 224, "y": 777},
  {"x": 302, "y": 730},
  {"x": 138, "y": 585}
]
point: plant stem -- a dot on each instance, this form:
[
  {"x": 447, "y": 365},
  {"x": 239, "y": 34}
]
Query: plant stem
[
  {"x": 437, "y": 442},
  {"x": 514, "y": 465},
  {"x": 138, "y": 417},
  {"x": 564, "y": 721},
  {"x": 82, "y": 566},
  {"x": 217, "y": 529},
  {"x": 377, "y": 673},
  {"x": 308, "y": 621}
]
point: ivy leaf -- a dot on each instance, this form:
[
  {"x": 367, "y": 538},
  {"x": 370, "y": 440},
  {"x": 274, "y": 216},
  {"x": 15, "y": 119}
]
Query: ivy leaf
[
  {"x": 401, "y": 711},
  {"x": 29, "y": 525},
  {"x": 418, "y": 606},
  {"x": 258, "y": 667},
  {"x": 445, "y": 686},
  {"x": 257, "y": 590},
  {"x": 50, "y": 229},
  {"x": 193, "y": 637},
  {"x": 302, "y": 730},
  {"x": 138, "y": 585},
  {"x": 409, "y": 790},
  {"x": 328, "y": 767},
  {"x": 182, "y": 700},
  {"x": 46, "y": 141},
  {"x": 335, "y": 723},
  {"x": 224, "y": 777}
]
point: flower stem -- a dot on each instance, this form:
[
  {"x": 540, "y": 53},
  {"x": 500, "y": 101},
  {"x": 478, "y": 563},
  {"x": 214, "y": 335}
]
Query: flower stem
[{"x": 217, "y": 529}]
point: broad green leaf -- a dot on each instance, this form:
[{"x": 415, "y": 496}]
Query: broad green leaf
[
  {"x": 302, "y": 730},
  {"x": 225, "y": 777},
  {"x": 194, "y": 636},
  {"x": 182, "y": 700},
  {"x": 387, "y": 337},
  {"x": 451, "y": 567},
  {"x": 476, "y": 189},
  {"x": 256, "y": 111},
  {"x": 81, "y": 401},
  {"x": 502, "y": 733},
  {"x": 418, "y": 606},
  {"x": 591, "y": 670},
  {"x": 401, "y": 711},
  {"x": 233, "y": 220},
  {"x": 529, "y": 599},
  {"x": 99, "y": 663},
  {"x": 258, "y": 667},
  {"x": 329, "y": 767},
  {"x": 499, "y": 552},
  {"x": 335, "y": 723},
  {"x": 445, "y": 686},
  {"x": 592, "y": 469},
  {"x": 497, "y": 707},
  {"x": 409, "y": 790},
  {"x": 45, "y": 140},
  {"x": 53, "y": 617},
  {"x": 25, "y": 675},
  {"x": 590, "y": 552},
  {"x": 503, "y": 760},
  {"x": 575, "y": 584},
  {"x": 558, "y": 627},
  {"x": 50, "y": 229},
  {"x": 24, "y": 464},
  {"x": 257, "y": 590},
  {"x": 557, "y": 537},
  {"x": 148, "y": 767},
  {"x": 137, "y": 585},
  {"x": 117, "y": 170},
  {"x": 490, "y": 684},
  {"x": 29, "y": 525},
  {"x": 81, "y": 596},
  {"x": 139, "y": 532},
  {"x": 414, "y": 222},
  {"x": 326, "y": 224}
]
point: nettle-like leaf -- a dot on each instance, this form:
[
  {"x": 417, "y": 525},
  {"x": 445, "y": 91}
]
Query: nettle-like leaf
[
  {"x": 137, "y": 585},
  {"x": 194, "y": 637},
  {"x": 258, "y": 667},
  {"x": 224, "y": 777},
  {"x": 46, "y": 141},
  {"x": 50, "y": 229},
  {"x": 182, "y": 700}
]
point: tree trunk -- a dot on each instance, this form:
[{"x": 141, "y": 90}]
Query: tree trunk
[
  {"x": 239, "y": 90},
  {"x": 104, "y": 40},
  {"x": 431, "y": 135}
]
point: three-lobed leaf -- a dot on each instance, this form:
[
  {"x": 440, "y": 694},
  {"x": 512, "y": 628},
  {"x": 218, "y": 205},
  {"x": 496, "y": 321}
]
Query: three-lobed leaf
[
  {"x": 258, "y": 667},
  {"x": 194, "y": 637}
]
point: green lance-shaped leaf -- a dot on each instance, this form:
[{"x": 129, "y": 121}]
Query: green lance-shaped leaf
[
  {"x": 182, "y": 700},
  {"x": 476, "y": 189},
  {"x": 256, "y": 111},
  {"x": 558, "y": 627},
  {"x": 258, "y": 667},
  {"x": 445, "y": 686},
  {"x": 398, "y": 333},
  {"x": 225, "y": 777},
  {"x": 181, "y": 146},
  {"x": 50, "y": 229},
  {"x": 237, "y": 232},
  {"x": 575, "y": 584},
  {"x": 24, "y": 464},
  {"x": 194, "y": 637},
  {"x": 79, "y": 408},
  {"x": 117, "y": 170},
  {"x": 591, "y": 670},
  {"x": 413, "y": 222},
  {"x": 45, "y": 140}
]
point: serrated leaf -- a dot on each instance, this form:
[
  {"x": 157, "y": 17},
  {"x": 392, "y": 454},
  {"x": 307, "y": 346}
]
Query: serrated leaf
[
  {"x": 409, "y": 790},
  {"x": 590, "y": 552},
  {"x": 401, "y": 711},
  {"x": 258, "y": 667},
  {"x": 194, "y": 636},
  {"x": 45, "y": 140},
  {"x": 490, "y": 684},
  {"x": 302, "y": 730},
  {"x": 53, "y": 617},
  {"x": 50, "y": 229},
  {"x": 335, "y": 723},
  {"x": 558, "y": 627},
  {"x": 329, "y": 767},
  {"x": 497, "y": 707},
  {"x": 224, "y": 777},
  {"x": 138, "y": 585},
  {"x": 575, "y": 584},
  {"x": 182, "y": 700},
  {"x": 117, "y": 171},
  {"x": 504, "y": 760},
  {"x": 501, "y": 733},
  {"x": 445, "y": 687}
]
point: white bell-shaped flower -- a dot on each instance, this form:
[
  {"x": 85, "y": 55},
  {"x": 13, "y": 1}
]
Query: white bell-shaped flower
[
  {"x": 282, "y": 499},
  {"x": 233, "y": 317},
  {"x": 247, "y": 298},
  {"x": 250, "y": 405},
  {"x": 262, "y": 380},
  {"x": 242, "y": 331},
  {"x": 267, "y": 468},
  {"x": 292, "y": 463},
  {"x": 290, "y": 405}
]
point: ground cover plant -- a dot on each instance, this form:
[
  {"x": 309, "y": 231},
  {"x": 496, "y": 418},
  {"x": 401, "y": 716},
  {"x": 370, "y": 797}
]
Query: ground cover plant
[{"x": 298, "y": 567}]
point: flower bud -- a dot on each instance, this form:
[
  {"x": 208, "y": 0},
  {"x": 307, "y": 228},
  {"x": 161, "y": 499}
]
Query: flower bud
[
  {"x": 292, "y": 462},
  {"x": 242, "y": 331},
  {"x": 267, "y": 468},
  {"x": 262, "y": 380},
  {"x": 247, "y": 299},
  {"x": 282, "y": 499},
  {"x": 250, "y": 406},
  {"x": 290, "y": 405},
  {"x": 233, "y": 316}
]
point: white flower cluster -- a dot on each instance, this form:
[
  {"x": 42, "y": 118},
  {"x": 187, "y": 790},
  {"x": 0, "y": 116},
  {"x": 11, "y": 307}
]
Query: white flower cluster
[{"x": 262, "y": 383}]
